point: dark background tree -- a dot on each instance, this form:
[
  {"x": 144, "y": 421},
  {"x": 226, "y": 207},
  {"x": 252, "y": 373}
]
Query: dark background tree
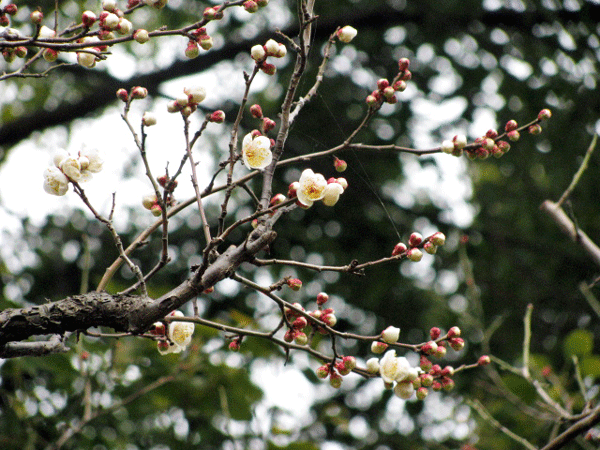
[{"x": 502, "y": 60}]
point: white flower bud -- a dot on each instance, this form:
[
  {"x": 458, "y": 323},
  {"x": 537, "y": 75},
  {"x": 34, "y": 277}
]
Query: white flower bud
[
  {"x": 111, "y": 21},
  {"x": 86, "y": 59},
  {"x": 148, "y": 119},
  {"x": 196, "y": 93},
  {"x": 109, "y": 5},
  {"x": 460, "y": 141},
  {"x": 447, "y": 146},
  {"x": 258, "y": 53},
  {"x": 347, "y": 33},
  {"x": 46, "y": 33},
  {"x": 124, "y": 27},
  {"x": 272, "y": 47},
  {"x": 373, "y": 365},
  {"x": 391, "y": 335},
  {"x": 404, "y": 390}
]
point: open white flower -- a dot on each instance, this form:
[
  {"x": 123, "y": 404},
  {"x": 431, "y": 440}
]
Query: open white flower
[
  {"x": 256, "y": 151},
  {"x": 331, "y": 193},
  {"x": 312, "y": 187},
  {"x": 94, "y": 163},
  {"x": 55, "y": 182},
  {"x": 180, "y": 333},
  {"x": 71, "y": 167},
  {"x": 393, "y": 368}
]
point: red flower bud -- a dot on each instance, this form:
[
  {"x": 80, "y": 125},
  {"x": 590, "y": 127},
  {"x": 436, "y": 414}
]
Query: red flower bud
[
  {"x": 511, "y": 125},
  {"x": 435, "y": 333},
  {"x": 399, "y": 248},
  {"x": 544, "y": 114},
  {"x": 403, "y": 64},
  {"x": 256, "y": 111}
]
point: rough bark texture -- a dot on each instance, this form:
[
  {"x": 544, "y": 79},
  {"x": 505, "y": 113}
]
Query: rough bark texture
[{"x": 132, "y": 313}]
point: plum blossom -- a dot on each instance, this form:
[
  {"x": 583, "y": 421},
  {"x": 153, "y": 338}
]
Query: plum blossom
[
  {"x": 256, "y": 151},
  {"x": 180, "y": 336},
  {"x": 55, "y": 182},
  {"x": 393, "y": 368},
  {"x": 331, "y": 193},
  {"x": 404, "y": 389},
  {"x": 311, "y": 187},
  {"x": 347, "y": 33}
]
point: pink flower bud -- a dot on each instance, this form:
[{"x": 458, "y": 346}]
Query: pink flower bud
[
  {"x": 441, "y": 351},
  {"x": 209, "y": 13},
  {"x": 300, "y": 323},
  {"x": 192, "y": 50},
  {"x": 535, "y": 129},
  {"x": 10, "y": 9},
  {"x": 389, "y": 92},
  {"x": 206, "y": 42},
  {"x": 122, "y": 95},
  {"x": 234, "y": 345},
  {"x": 288, "y": 336},
  {"x": 511, "y": 125},
  {"x": 436, "y": 370},
  {"x": 148, "y": 201},
  {"x": 430, "y": 248},
  {"x": 438, "y": 238},
  {"x": 292, "y": 189},
  {"x": 447, "y": 384},
  {"x": 4, "y": 22},
  {"x": 340, "y": 165},
  {"x": 250, "y": 6},
  {"x": 447, "y": 371},
  {"x": 21, "y": 52},
  {"x": 378, "y": 347},
  {"x": 88, "y": 18},
  {"x": 435, "y": 333},
  {"x": 371, "y": 100},
  {"x": 158, "y": 329},
  {"x": 138, "y": 92},
  {"x": 329, "y": 319},
  {"x": 382, "y": 84},
  {"x": 544, "y": 114},
  {"x": 268, "y": 68},
  {"x": 415, "y": 239},
  {"x": 277, "y": 199},
  {"x": 407, "y": 75},
  {"x": 349, "y": 362},
  {"x": 456, "y": 343},
  {"x": 256, "y": 111},
  {"x": 294, "y": 283},
  {"x": 403, "y": 64},
  {"x": 36, "y": 17},
  {"x": 50, "y": 54},
  {"x": 491, "y": 133},
  {"x": 262, "y": 3},
  {"x": 323, "y": 371},
  {"x": 399, "y": 249},
  {"x": 429, "y": 348},
  {"x": 217, "y": 116},
  {"x": 400, "y": 86},
  {"x": 454, "y": 332},
  {"x": 322, "y": 298},
  {"x": 335, "y": 380},
  {"x": 210, "y": 290},
  {"x": 484, "y": 360},
  {"x": 342, "y": 369},
  {"x": 426, "y": 379},
  {"x": 267, "y": 125},
  {"x": 156, "y": 210},
  {"x": 513, "y": 135}
]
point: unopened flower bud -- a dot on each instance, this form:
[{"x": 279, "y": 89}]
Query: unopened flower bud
[
  {"x": 484, "y": 360},
  {"x": 267, "y": 68},
  {"x": 382, "y": 84},
  {"x": 322, "y": 298},
  {"x": 335, "y": 380},
  {"x": 206, "y": 42},
  {"x": 430, "y": 248},
  {"x": 148, "y": 201},
  {"x": 50, "y": 54},
  {"x": 456, "y": 343},
  {"x": 403, "y": 64},
  {"x": 425, "y": 363},
  {"x": 429, "y": 348},
  {"x": 256, "y": 111},
  {"x": 192, "y": 50},
  {"x": 438, "y": 238},
  {"x": 300, "y": 323},
  {"x": 234, "y": 345},
  {"x": 513, "y": 135},
  {"x": 373, "y": 365},
  {"x": 407, "y": 75},
  {"x": 378, "y": 347},
  {"x": 535, "y": 129},
  {"x": 294, "y": 284},
  {"x": 148, "y": 119},
  {"x": 454, "y": 332},
  {"x": 88, "y": 18},
  {"x": 217, "y": 116},
  {"x": 293, "y": 188},
  {"x": 156, "y": 210},
  {"x": 415, "y": 255},
  {"x": 349, "y": 362},
  {"x": 371, "y": 100},
  {"x": 447, "y": 384},
  {"x": 267, "y": 124},
  {"x": 340, "y": 165},
  {"x": 415, "y": 239},
  {"x": 138, "y": 92},
  {"x": 329, "y": 319},
  {"x": 435, "y": 333},
  {"x": 426, "y": 379},
  {"x": 342, "y": 182},
  {"x": 390, "y": 335},
  {"x": 460, "y": 141},
  {"x": 301, "y": 338},
  {"x": 288, "y": 336},
  {"x": 447, "y": 371},
  {"x": 36, "y": 17},
  {"x": 441, "y": 351},
  {"x": 209, "y": 13},
  {"x": 447, "y": 146},
  {"x": 250, "y": 6},
  {"x": 141, "y": 36},
  {"x": 400, "y": 86},
  {"x": 124, "y": 27},
  {"x": 258, "y": 53},
  {"x": 323, "y": 371},
  {"x": 21, "y": 52},
  {"x": 422, "y": 392},
  {"x": 399, "y": 248},
  {"x": 511, "y": 125},
  {"x": 544, "y": 114},
  {"x": 346, "y": 34}
]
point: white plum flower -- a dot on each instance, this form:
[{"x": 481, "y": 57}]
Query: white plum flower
[
  {"x": 55, "y": 182},
  {"x": 393, "y": 368},
  {"x": 256, "y": 151},
  {"x": 71, "y": 167},
  {"x": 331, "y": 193},
  {"x": 390, "y": 335},
  {"x": 180, "y": 336},
  {"x": 196, "y": 93},
  {"x": 311, "y": 187},
  {"x": 94, "y": 160}
]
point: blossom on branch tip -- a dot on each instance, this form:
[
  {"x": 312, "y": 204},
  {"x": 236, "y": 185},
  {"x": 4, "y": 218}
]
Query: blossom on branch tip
[
  {"x": 256, "y": 151},
  {"x": 393, "y": 368},
  {"x": 179, "y": 334},
  {"x": 258, "y": 53},
  {"x": 347, "y": 33},
  {"x": 390, "y": 335}
]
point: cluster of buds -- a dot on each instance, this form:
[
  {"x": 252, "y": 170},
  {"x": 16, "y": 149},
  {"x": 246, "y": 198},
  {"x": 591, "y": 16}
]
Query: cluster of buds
[
  {"x": 416, "y": 243},
  {"x": 313, "y": 187},
  {"x": 173, "y": 338},
  {"x": 267, "y": 124},
  {"x": 9, "y": 10},
  {"x": 299, "y": 324},
  {"x": 336, "y": 370},
  {"x": 187, "y": 102},
  {"x": 135, "y": 93},
  {"x": 386, "y": 91},
  {"x": 68, "y": 168},
  {"x": 11, "y": 53},
  {"x": 493, "y": 143},
  {"x": 111, "y": 19},
  {"x": 253, "y": 5},
  {"x": 260, "y": 53},
  {"x": 201, "y": 39}
]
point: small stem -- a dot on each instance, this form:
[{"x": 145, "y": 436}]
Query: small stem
[{"x": 579, "y": 172}]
